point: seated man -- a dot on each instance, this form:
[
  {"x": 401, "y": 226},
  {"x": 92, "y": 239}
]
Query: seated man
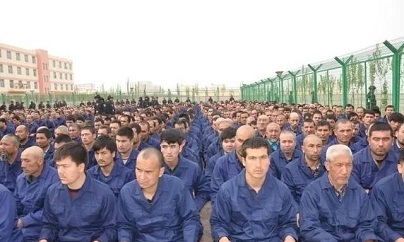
[
  {"x": 388, "y": 199},
  {"x": 254, "y": 205},
  {"x": 335, "y": 207},
  {"x": 78, "y": 207},
  {"x": 30, "y": 191},
  {"x": 8, "y": 217},
  {"x": 156, "y": 207},
  {"x": 112, "y": 173}
]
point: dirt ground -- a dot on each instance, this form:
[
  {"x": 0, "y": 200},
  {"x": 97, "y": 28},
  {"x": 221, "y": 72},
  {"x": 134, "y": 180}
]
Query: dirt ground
[{"x": 205, "y": 216}]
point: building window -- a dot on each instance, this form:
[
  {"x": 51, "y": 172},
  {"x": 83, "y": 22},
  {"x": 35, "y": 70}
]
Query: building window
[
  {"x": 8, "y": 54},
  {"x": 65, "y": 65},
  {"x": 1, "y": 82},
  {"x": 65, "y": 76},
  {"x": 26, "y": 58},
  {"x": 19, "y": 70},
  {"x": 71, "y": 77},
  {"x": 17, "y": 56},
  {"x": 11, "y": 83},
  {"x": 56, "y": 86},
  {"x": 35, "y": 85},
  {"x": 28, "y": 85},
  {"x": 54, "y": 74},
  {"x": 34, "y": 72},
  {"x": 10, "y": 69},
  {"x": 61, "y": 86},
  {"x": 70, "y": 65},
  {"x": 20, "y": 85},
  {"x": 60, "y": 76},
  {"x": 54, "y": 63},
  {"x": 27, "y": 71},
  {"x": 60, "y": 64},
  {"x": 33, "y": 59},
  {"x": 1, "y": 67},
  {"x": 0, "y": 53}
]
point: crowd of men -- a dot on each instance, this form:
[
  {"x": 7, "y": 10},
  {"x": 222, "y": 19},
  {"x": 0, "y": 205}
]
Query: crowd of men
[{"x": 272, "y": 172}]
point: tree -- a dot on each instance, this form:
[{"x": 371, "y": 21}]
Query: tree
[{"x": 382, "y": 65}]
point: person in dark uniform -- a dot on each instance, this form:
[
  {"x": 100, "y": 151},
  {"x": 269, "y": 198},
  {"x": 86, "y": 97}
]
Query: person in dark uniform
[
  {"x": 371, "y": 97},
  {"x": 109, "y": 106}
]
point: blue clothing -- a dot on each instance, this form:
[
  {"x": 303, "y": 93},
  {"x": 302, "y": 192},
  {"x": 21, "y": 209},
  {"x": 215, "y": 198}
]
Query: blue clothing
[
  {"x": 365, "y": 170},
  {"x": 210, "y": 165},
  {"x": 214, "y": 148},
  {"x": 8, "y": 217},
  {"x": 361, "y": 144},
  {"x": 120, "y": 175},
  {"x": 143, "y": 146},
  {"x": 298, "y": 175},
  {"x": 331, "y": 143},
  {"x": 9, "y": 172},
  {"x": 388, "y": 199},
  {"x": 48, "y": 158},
  {"x": 131, "y": 161},
  {"x": 193, "y": 179},
  {"x": 30, "y": 197},
  {"x": 88, "y": 217},
  {"x": 279, "y": 161},
  {"x": 241, "y": 214},
  {"x": 362, "y": 131},
  {"x": 32, "y": 128},
  {"x": 324, "y": 217},
  {"x": 226, "y": 167},
  {"x": 171, "y": 216},
  {"x": 91, "y": 159},
  {"x": 8, "y": 130},
  {"x": 30, "y": 142},
  {"x": 299, "y": 141},
  {"x": 153, "y": 142},
  {"x": 272, "y": 146}
]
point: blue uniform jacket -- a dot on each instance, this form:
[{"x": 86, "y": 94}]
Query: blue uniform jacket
[
  {"x": 48, "y": 158},
  {"x": 131, "y": 162},
  {"x": 331, "y": 143},
  {"x": 210, "y": 165},
  {"x": 91, "y": 159},
  {"x": 30, "y": 142},
  {"x": 30, "y": 198},
  {"x": 10, "y": 172},
  {"x": 244, "y": 215},
  {"x": 226, "y": 167},
  {"x": 388, "y": 198},
  {"x": 193, "y": 179},
  {"x": 279, "y": 162},
  {"x": 8, "y": 217},
  {"x": 171, "y": 216},
  {"x": 90, "y": 216},
  {"x": 361, "y": 144},
  {"x": 323, "y": 217},
  {"x": 298, "y": 175},
  {"x": 214, "y": 148},
  {"x": 153, "y": 142},
  {"x": 366, "y": 172},
  {"x": 120, "y": 175}
]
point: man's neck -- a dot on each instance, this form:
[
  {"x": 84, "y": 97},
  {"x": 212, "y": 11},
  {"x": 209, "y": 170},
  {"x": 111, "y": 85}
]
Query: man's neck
[
  {"x": 288, "y": 155},
  {"x": 78, "y": 183},
  {"x": 45, "y": 149},
  {"x": 106, "y": 170},
  {"x": 127, "y": 154},
  {"x": 12, "y": 158},
  {"x": 343, "y": 143},
  {"x": 172, "y": 164},
  {"x": 88, "y": 146},
  {"x": 313, "y": 164},
  {"x": 399, "y": 144},
  {"x": 150, "y": 192},
  {"x": 378, "y": 158}
]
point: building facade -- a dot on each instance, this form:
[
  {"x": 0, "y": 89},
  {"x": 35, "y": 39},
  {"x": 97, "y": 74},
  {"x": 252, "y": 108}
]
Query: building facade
[{"x": 34, "y": 71}]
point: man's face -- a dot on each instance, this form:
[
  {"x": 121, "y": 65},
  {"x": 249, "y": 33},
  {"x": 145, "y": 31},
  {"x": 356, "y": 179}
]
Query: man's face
[
  {"x": 69, "y": 123},
  {"x": 124, "y": 121},
  {"x": 316, "y": 117},
  {"x": 104, "y": 157},
  {"x": 380, "y": 142},
  {"x": 281, "y": 120},
  {"x": 21, "y": 133},
  {"x": 339, "y": 170},
  {"x": 123, "y": 143},
  {"x": 222, "y": 126},
  {"x": 74, "y": 132},
  {"x": 308, "y": 128},
  {"x": 360, "y": 112},
  {"x": 400, "y": 136},
  {"x": 171, "y": 151},
  {"x": 273, "y": 131},
  {"x": 287, "y": 143},
  {"x": 243, "y": 118},
  {"x": 294, "y": 120},
  {"x": 148, "y": 172},
  {"x": 80, "y": 123},
  {"x": 102, "y": 132},
  {"x": 114, "y": 128},
  {"x": 30, "y": 164},
  {"x": 338, "y": 112},
  {"x": 256, "y": 163},
  {"x": 344, "y": 132},
  {"x": 262, "y": 122},
  {"x": 312, "y": 147},
  {"x": 368, "y": 119},
  {"x": 144, "y": 134},
  {"x": 97, "y": 125},
  {"x": 240, "y": 138},
  {"x": 323, "y": 132},
  {"x": 87, "y": 137},
  {"x": 68, "y": 171},
  {"x": 389, "y": 111},
  {"x": 42, "y": 141},
  {"x": 348, "y": 109},
  {"x": 355, "y": 130},
  {"x": 229, "y": 145}
]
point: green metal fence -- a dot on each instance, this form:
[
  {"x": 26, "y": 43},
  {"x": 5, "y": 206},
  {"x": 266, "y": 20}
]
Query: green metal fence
[{"x": 345, "y": 79}]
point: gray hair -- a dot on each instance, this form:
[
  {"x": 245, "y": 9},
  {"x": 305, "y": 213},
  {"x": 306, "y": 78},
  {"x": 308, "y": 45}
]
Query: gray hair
[
  {"x": 335, "y": 150},
  {"x": 284, "y": 132}
]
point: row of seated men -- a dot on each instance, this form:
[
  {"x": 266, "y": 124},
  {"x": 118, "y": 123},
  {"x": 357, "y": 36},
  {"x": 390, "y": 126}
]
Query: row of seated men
[{"x": 202, "y": 186}]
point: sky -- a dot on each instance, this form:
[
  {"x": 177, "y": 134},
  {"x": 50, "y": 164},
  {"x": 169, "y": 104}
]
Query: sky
[{"x": 207, "y": 42}]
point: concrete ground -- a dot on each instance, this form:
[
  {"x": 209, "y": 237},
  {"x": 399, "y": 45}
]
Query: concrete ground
[{"x": 205, "y": 216}]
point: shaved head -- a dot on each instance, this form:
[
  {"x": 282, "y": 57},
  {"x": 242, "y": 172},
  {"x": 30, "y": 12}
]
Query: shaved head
[{"x": 33, "y": 151}]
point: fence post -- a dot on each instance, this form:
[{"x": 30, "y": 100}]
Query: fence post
[
  {"x": 344, "y": 78},
  {"x": 294, "y": 74},
  {"x": 315, "y": 69},
  {"x": 396, "y": 65}
]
